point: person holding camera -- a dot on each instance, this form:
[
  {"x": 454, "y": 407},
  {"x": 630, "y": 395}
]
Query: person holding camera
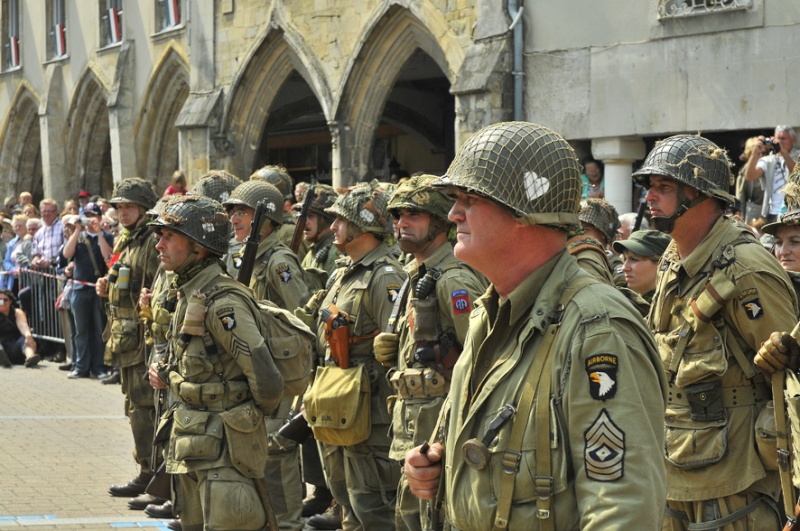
[
  {"x": 772, "y": 160},
  {"x": 88, "y": 246}
]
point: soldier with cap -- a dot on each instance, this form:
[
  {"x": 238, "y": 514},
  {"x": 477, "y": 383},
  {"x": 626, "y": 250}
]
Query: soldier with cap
[
  {"x": 718, "y": 295},
  {"x": 641, "y": 253},
  {"x": 427, "y": 329},
  {"x": 280, "y": 179},
  {"x": 554, "y": 416},
  {"x": 278, "y": 277},
  {"x": 220, "y": 371},
  {"x": 133, "y": 264},
  {"x": 356, "y": 308}
]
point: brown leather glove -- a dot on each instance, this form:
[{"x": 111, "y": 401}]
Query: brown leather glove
[
  {"x": 385, "y": 346},
  {"x": 778, "y": 352}
]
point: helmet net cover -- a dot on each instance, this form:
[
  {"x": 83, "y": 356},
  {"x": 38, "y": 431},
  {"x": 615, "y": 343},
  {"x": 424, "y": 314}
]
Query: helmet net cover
[
  {"x": 134, "y": 190},
  {"x": 527, "y": 167},
  {"x": 418, "y": 193},
  {"x": 324, "y": 198},
  {"x": 364, "y": 206},
  {"x": 216, "y": 184},
  {"x": 199, "y": 218},
  {"x": 278, "y": 177},
  {"x": 250, "y": 193},
  {"x": 692, "y": 160},
  {"x": 602, "y": 215}
]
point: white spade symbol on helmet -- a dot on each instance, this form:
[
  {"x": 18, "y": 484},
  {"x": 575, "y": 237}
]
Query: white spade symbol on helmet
[{"x": 535, "y": 186}]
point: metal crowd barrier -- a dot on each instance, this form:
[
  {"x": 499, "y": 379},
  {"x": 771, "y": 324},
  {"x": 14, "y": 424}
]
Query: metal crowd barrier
[{"x": 43, "y": 318}]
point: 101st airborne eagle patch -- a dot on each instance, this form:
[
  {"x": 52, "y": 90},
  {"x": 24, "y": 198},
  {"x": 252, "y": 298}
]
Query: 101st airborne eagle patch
[
  {"x": 284, "y": 273},
  {"x": 393, "y": 290},
  {"x": 753, "y": 309},
  {"x": 604, "y": 450},
  {"x": 602, "y": 372},
  {"x": 227, "y": 319}
]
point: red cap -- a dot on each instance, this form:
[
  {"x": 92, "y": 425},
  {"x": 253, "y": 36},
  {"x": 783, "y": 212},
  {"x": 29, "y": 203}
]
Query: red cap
[{"x": 84, "y": 193}]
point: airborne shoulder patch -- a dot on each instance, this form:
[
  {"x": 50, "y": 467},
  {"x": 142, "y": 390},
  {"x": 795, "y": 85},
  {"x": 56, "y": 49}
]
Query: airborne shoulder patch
[
  {"x": 749, "y": 292},
  {"x": 393, "y": 290},
  {"x": 237, "y": 260},
  {"x": 604, "y": 450},
  {"x": 227, "y": 319},
  {"x": 460, "y": 298},
  {"x": 753, "y": 309},
  {"x": 602, "y": 372},
  {"x": 284, "y": 273}
]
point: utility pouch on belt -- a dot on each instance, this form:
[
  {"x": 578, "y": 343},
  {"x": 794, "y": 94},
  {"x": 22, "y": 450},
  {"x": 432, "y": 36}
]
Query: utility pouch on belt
[
  {"x": 705, "y": 401},
  {"x": 425, "y": 315},
  {"x": 246, "y": 438},
  {"x": 337, "y": 334},
  {"x": 337, "y": 406}
]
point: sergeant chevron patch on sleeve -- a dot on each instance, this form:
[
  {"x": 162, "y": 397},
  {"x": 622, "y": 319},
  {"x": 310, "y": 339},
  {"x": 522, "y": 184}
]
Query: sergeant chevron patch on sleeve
[{"x": 604, "y": 450}]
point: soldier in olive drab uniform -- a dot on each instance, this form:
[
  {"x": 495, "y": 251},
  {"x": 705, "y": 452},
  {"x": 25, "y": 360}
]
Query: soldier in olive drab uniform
[
  {"x": 718, "y": 296},
  {"x": 428, "y": 334},
  {"x": 219, "y": 370},
  {"x": 587, "y": 454},
  {"x": 278, "y": 277},
  {"x": 600, "y": 221},
  {"x": 361, "y": 477},
  {"x": 320, "y": 260},
  {"x": 133, "y": 265},
  {"x": 278, "y": 177}
]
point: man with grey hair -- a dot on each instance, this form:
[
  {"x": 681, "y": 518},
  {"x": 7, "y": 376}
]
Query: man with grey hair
[
  {"x": 772, "y": 160},
  {"x": 626, "y": 224}
]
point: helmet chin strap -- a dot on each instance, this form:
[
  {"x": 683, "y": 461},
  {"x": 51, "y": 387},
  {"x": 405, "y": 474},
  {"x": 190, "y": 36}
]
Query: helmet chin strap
[
  {"x": 666, "y": 224},
  {"x": 191, "y": 259}
]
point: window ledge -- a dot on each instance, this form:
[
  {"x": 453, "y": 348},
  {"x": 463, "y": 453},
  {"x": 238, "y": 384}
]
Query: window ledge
[
  {"x": 59, "y": 59},
  {"x": 168, "y": 33}
]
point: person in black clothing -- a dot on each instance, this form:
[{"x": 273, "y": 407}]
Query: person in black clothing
[{"x": 17, "y": 346}]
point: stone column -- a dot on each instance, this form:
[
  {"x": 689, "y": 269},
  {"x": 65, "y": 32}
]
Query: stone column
[{"x": 618, "y": 154}]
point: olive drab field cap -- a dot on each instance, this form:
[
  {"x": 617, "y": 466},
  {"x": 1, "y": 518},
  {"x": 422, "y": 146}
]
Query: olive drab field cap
[
  {"x": 216, "y": 184},
  {"x": 364, "y": 206},
  {"x": 278, "y": 177},
  {"x": 527, "y": 167},
  {"x": 134, "y": 190},
  {"x": 601, "y": 215},
  {"x": 647, "y": 243},
  {"x": 250, "y": 193},
  {"x": 692, "y": 160},
  {"x": 199, "y": 218},
  {"x": 418, "y": 193}
]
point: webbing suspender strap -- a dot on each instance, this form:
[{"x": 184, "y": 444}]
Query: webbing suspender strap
[
  {"x": 540, "y": 371},
  {"x": 391, "y": 327}
]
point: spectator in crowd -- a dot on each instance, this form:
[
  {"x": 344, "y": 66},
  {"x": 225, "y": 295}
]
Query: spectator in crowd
[
  {"x": 49, "y": 239},
  {"x": 17, "y": 346},
  {"x": 9, "y": 205},
  {"x": 300, "y": 190},
  {"x": 30, "y": 210},
  {"x": 83, "y": 198},
  {"x": 90, "y": 247},
  {"x": 592, "y": 179},
  {"x": 626, "y": 224},
  {"x": 65, "y": 269},
  {"x": 177, "y": 184},
  {"x": 749, "y": 192},
  {"x": 71, "y": 207},
  {"x": 22, "y": 255},
  {"x": 772, "y": 160},
  {"x": 25, "y": 198},
  {"x": 5, "y": 237},
  {"x": 641, "y": 253},
  {"x": 105, "y": 206}
]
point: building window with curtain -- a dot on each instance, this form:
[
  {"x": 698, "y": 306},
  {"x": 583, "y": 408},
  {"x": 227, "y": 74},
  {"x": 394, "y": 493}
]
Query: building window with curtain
[
  {"x": 57, "y": 29},
  {"x": 168, "y": 14},
  {"x": 10, "y": 34},
  {"x": 110, "y": 22}
]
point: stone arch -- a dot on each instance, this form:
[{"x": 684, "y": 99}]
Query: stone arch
[
  {"x": 21, "y": 146},
  {"x": 270, "y": 64},
  {"x": 87, "y": 136},
  {"x": 387, "y": 44},
  {"x": 156, "y": 137}
]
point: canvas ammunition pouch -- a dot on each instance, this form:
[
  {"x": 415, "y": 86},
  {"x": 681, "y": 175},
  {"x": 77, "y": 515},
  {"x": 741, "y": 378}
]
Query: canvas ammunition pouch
[
  {"x": 247, "y": 439},
  {"x": 196, "y": 436},
  {"x": 337, "y": 406},
  {"x": 214, "y": 396},
  {"x": 418, "y": 383}
]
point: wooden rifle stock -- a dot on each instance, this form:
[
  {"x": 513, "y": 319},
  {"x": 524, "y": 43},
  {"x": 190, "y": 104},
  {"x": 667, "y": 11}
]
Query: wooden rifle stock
[
  {"x": 251, "y": 245},
  {"x": 297, "y": 237}
]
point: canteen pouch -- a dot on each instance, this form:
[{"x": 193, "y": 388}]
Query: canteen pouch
[
  {"x": 792, "y": 395},
  {"x": 425, "y": 315},
  {"x": 766, "y": 437},
  {"x": 705, "y": 401},
  {"x": 337, "y": 406},
  {"x": 196, "y": 435},
  {"x": 693, "y": 444},
  {"x": 337, "y": 334},
  {"x": 247, "y": 439}
]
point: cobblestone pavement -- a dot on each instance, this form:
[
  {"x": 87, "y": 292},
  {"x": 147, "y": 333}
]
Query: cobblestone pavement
[{"x": 62, "y": 443}]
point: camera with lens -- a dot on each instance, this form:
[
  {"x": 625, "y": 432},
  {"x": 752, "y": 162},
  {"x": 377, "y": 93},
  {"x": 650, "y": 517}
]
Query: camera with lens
[{"x": 771, "y": 147}]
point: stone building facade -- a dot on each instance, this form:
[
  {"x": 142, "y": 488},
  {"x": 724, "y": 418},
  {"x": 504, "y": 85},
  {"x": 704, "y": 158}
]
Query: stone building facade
[{"x": 93, "y": 91}]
